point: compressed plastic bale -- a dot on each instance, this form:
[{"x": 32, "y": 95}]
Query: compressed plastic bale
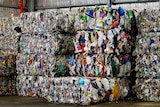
[
  {"x": 96, "y": 42},
  {"x": 78, "y": 86},
  {"x": 40, "y": 63},
  {"x": 31, "y": 86},
  {"x": 8, "y": 36},
  {"x": 147, "y": 56}
]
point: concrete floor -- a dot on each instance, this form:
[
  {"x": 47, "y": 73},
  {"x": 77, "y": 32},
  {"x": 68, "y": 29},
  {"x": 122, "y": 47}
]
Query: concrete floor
[{"x": 15, "y": 101}]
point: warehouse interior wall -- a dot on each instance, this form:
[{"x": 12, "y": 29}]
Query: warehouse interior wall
[
  {"x": 8, "y": 7},
  {"x": 128, "y": 6}
]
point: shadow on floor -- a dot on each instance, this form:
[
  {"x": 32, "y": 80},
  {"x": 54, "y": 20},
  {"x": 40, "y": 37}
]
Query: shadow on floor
[{"x": 16, "y": 101}]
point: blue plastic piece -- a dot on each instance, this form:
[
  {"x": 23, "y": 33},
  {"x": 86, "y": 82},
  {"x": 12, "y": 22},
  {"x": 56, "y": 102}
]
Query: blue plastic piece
[
  {"x": 71, "y": 60},
  {"x": 62, "y": 68},
  {"x": 81, "y": 81},
  {"x": 91, "y": 12},
  {"x": 121, "y": 11}
]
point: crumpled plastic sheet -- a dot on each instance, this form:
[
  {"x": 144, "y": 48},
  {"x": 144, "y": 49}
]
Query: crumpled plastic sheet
[
  {"x": 148, "y": 89},
  {"x": 73, "y": 90},
  {"x": 7, "y": 85},
  {"x": 7, "y": 65}
]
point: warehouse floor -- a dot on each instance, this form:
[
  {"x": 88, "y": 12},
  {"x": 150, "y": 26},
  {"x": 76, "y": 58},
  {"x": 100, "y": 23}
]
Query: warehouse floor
[{"x": 15, "y": 101}]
